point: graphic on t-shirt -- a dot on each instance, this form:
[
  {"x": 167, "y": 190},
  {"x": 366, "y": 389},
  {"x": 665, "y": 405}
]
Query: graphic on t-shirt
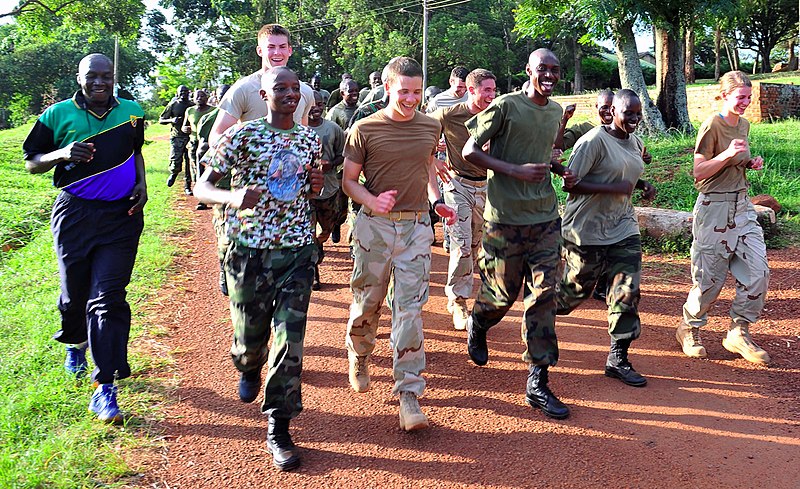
[{"x": 285, "y": 170}]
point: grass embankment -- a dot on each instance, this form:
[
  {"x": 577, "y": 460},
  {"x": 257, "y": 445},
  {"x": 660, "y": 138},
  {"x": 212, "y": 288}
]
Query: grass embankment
[{"x": 47, "y": 438}]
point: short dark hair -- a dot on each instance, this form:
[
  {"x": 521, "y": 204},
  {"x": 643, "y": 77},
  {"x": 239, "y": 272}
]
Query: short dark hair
[
  {"x": 403, "y": 66},
  {"x": 274, "y": 30},
  {"x": 477, "y": 76},
  {"x": 459, "y": 72}
]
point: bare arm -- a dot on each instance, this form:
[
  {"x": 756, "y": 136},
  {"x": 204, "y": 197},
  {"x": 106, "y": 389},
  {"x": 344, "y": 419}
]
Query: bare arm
[
  {"x": 139, "y": 193},
  {"x": 705, "y": 168},
  {"x": 77, "y": 152},
  {"x": 528, "y": 172},
  {"x": 569, "y": 111},
  {"x": 221, "y": 124},
  {"x": 379, "y": 203},
  {"x": 206, "y": 191}
]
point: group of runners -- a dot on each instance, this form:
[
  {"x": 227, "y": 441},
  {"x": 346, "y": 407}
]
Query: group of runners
[{"x": 286, "y": 166}]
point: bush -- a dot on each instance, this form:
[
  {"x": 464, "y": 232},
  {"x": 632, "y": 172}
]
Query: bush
[{"x": 20, "y": 108}]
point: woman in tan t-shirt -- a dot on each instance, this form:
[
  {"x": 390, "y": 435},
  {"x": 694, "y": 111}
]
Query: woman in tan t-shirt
[{"x": 726, "y": 235}]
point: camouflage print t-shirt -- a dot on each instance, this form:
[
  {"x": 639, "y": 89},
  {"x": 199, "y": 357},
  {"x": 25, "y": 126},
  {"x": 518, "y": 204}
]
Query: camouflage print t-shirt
[{"x": 273, "y": 160}]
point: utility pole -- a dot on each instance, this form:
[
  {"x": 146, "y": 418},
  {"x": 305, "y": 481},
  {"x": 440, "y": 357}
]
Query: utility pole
[{"x": 116, "y": 64}]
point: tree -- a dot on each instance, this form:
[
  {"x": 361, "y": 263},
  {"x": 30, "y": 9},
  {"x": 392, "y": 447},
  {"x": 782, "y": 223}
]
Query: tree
[
  {"x": 117, "y": 17},
  {"x": 765, "y": 23}
]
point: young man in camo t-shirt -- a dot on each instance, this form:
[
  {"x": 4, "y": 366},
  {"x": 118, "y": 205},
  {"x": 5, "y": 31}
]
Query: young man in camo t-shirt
[{"x": 269, "y": 266}]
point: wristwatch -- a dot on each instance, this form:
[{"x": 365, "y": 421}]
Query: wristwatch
[{"x": 438, "y": 201}]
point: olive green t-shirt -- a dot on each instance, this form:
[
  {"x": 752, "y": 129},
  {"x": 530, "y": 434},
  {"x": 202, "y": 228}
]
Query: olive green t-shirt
[
  {"x": 520, "y": 132},
  {"x": 455, "y": 132},
  {"x": 714, "y": 137},
  {"x": 575, "y": 132},
  {"x": 395, "y": 156},
  {"x": 603, "y": 219},
  {"x": 193, "y": 115}
]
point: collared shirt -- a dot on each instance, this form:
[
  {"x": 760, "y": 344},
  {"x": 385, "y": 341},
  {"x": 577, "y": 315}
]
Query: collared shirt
[{"x": 117, "y": 135}]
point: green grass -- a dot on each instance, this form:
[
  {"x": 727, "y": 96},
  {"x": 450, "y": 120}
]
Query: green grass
[
  {"x": 47, "y": 437},
  {"x": 25, "y": 199}
]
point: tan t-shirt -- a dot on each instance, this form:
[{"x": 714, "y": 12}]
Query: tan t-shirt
[
  {"x": 395, "y": 156},
  {"x": 452, "y": 120},
  {"x": 244, "y": 102},
  {"x": 603, "y": 219},
  {"x": 714, "y": 137}
]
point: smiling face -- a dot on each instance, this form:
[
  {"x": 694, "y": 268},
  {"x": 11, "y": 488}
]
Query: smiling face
[
  {"x": 405, "y": 94},
  {"x": 349, "y": 90},
  {"x": 737, "y": 100},
  {"x": 96, "y": 79},
  {"x": 544, "y": 71},
  {"x": 604, "y": 102},
  {"x": 274, "y": 50},
  {"x": 484, "y": 93},
  {"x": 201, "y": 97},
  {"x": 458, "y": 86},
  {"x": 280, "y": 88},
  {"x": 315, "y": 113},
  {"x": 627, "y": 114}
]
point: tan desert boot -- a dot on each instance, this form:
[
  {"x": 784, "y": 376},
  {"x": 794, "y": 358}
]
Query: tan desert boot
[
  {"x": 739, "y": 341},
  {"x": 358, "y": 372},
  {"x": 689, "y": 339},
  {"x": 411, "y": 416}
]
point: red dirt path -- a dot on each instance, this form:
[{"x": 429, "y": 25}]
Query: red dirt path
[{"x": 716, "y": 423}]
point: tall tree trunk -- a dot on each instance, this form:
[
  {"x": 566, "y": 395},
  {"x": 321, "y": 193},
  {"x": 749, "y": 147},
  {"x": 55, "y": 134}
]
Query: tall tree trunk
[
  {"x": 792, "y": 56},
  {"x": 578, "y": 55},
  {"x": 689, "y": 56},
  {"x": 766, "y": 63},
  {"x": 736, "y": 59},
  {"x": 755, "y": 62},
  {"x": 631, "y": 77},
  {"x": 671, "y": 99},
  {"x": 730, "y": 57},
  {"x": 717, "y": 41}
]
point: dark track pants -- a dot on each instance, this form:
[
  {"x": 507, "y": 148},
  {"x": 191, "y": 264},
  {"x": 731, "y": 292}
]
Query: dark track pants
[{"x": 96, "y": 243}]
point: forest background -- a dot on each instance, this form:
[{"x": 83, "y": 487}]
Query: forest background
[{"x": 203, "y": 43}]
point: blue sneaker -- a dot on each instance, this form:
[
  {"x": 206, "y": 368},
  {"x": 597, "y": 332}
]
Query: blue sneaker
[
  {"x": 75, "y": 362},
  {"x": 104, "y": 404}
]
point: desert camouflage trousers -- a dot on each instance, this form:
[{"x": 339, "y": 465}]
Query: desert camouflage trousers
[
  {"x": 398, "y": 251},
  {"x": 622, "y": 262},
  {"x": 468, "y": 198},
  {"x": 513, "y": 255},
  {"x": 727, "y": 236},
  {"x": 269, "y": 291},
  {"x": 219, "y": 221}
]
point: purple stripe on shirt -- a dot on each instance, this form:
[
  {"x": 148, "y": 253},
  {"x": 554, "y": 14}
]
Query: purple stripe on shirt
[{"x": 113, "y": 184}]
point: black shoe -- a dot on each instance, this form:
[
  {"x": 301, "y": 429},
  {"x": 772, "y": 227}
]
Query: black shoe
[
  {"x": 600, "y": 287},
  {"x": 316, "y": 284},
  {"x": 171, "y": 180},
  {"x": 249, "y": 385},
  {"x": 201, "y": 207},
  {"x": 599, "y": 295},
  {"x": 476, "y": 344},
  {"x": 618, "y": 366},
  {"x": 538, "y": 395},
  {"x": 187, "y": 191},
  {"x": 336, "y": 234},
  {"x": 280, "y": 445},
  {"x": 223, "y": 283}
]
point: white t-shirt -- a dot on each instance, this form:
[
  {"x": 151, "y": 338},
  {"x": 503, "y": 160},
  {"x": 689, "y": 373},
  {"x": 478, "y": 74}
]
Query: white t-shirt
[{"x": 244, "y": 102}]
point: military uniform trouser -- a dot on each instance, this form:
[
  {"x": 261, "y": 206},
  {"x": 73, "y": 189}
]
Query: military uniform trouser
[
  {"x": 399, "y": 250},
  {"x": 271, "y": 288},
  {"x": 468, "y": 198},
  {"x": 179, "y": 158},
  {"x": 328, "y": 213},
  {"x": 727, "y": 236},
  {"x": 191, "y": 149},
  {"x": 622, "y": 261},
  {"x": 219, "y": 221},
  {"x": 96, "y": 244},
  {"x": 513, "y": 255}
]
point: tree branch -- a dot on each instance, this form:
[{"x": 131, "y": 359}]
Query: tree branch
[{"x": 31, "y": 5}]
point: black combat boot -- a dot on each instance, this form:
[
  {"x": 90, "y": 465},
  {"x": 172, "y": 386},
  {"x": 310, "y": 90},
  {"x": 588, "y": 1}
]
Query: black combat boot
[
  {"x": 618, "y": 366},
  {"x": 280, "y": 445},
  {"x": 539, "y": 395},
  {"x": 223, "y": 282},
  {"x": 249, "y": 385},
  {"x": 476, "y": 343}
]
